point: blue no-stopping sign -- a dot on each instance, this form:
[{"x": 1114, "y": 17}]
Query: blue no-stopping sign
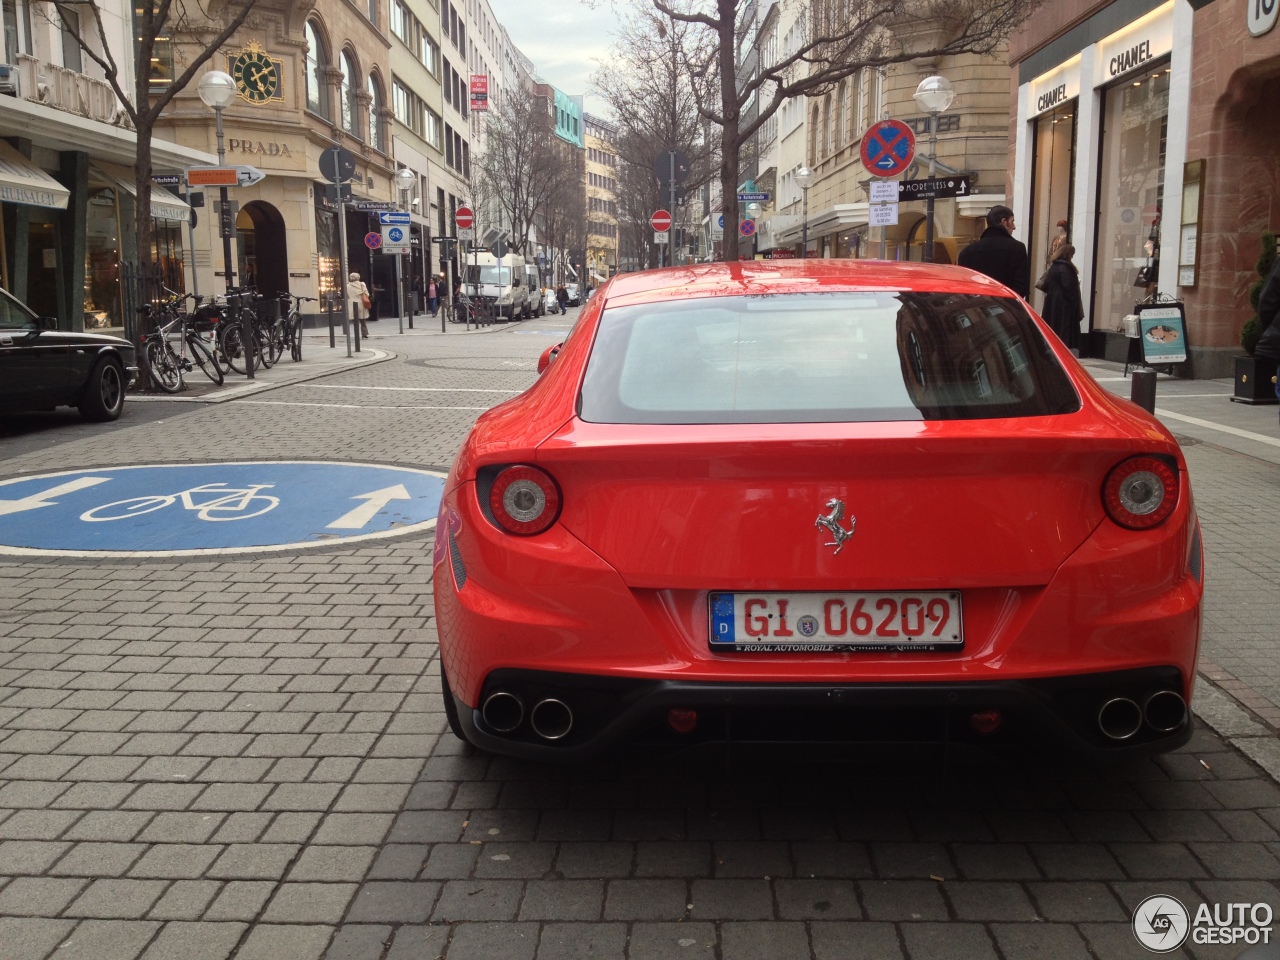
[{"x": 211, "y": 508}]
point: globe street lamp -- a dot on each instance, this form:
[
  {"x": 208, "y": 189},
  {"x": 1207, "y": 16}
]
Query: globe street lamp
[
  {"x": 405, "y": 179},
  {"x": 804, "y": 179},
  {"x": 217, "y": 90},
  {"x": 753, "y": 214},
  {"x": 934, "y": 95}
]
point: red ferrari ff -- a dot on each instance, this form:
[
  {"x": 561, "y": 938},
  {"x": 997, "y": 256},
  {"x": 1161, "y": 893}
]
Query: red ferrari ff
[{"x": 816, "y": 500}]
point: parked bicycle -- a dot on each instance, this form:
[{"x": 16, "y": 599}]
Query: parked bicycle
[
  {"x": 291, "y": 323},
  {"x": 166, "y": 365},
  {"x": 241, "y": 303}
]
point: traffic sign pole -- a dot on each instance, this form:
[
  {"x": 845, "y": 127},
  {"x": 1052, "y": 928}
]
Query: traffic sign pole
[{"x": 342, "y": 259}]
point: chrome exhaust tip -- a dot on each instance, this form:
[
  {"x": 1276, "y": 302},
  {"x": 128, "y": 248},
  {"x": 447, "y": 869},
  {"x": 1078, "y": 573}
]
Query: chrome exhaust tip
[
  {"x": 551, "y": 719},
  {"x": 503, "y": 711},
  {"x": 1120, "y": 718},
  {"x": 1165, "y": 711}
]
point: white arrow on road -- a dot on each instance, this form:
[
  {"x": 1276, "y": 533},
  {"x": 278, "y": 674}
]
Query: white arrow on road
[
  {"x": 45, "y": 497},
  {"x": 374, "y": 501}
]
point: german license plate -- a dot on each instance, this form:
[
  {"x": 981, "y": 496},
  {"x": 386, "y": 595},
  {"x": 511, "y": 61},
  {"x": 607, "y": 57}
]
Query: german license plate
[{"x": 824, "y": 622}]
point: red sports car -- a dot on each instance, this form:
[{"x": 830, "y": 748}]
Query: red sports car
[{"x": 816, "y": 500}]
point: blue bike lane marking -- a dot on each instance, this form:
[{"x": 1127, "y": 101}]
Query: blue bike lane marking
[{"x": 160, "y": 510}]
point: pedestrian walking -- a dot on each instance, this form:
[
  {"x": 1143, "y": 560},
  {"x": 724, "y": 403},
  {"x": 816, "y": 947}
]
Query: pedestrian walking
[
  {"x": 562, "y": 298},
  {"x": 359, "y": 301},
  {"x": 1063, "y": 305},
  {"x": 1269, "y": 316},
  {"x": 998, "y": 255},
  {"x": 433, "y": 297}
]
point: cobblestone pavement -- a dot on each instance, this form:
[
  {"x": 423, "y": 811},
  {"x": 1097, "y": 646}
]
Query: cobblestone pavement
[{"x": 249, "y": 758}]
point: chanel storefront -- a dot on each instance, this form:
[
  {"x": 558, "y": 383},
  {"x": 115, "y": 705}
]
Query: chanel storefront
[{"x": 1101, "y": 138}]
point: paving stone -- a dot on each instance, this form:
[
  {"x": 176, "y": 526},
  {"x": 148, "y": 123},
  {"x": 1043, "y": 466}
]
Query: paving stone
[
  {"x": 478, "y": 900},
  {"x": 309, "y": 903},
  {"x": 515, "y": 860},
  {"x": 866, "y": 941},
  {"x": 646, "y": 900},
  {"x": 39, "y": 896},
  {"x": 491, "y": 941},
  {"x": 1075, "y": 901},
  {"x": 1027, "y": 941},
  {"x": 114, "y": 825},
  {"x": 24, "y": 939},
  {"x": 817, "y": 899},
  {"x": 764, "y": 941},
  {"x": 664, "y": 941},
  {"x": 107, "y": 940},
  {"x": 955, "y": 941},
  {"x": 574, "y": 941},
  {"x": 419, "y": 942},
  {"x": 562, "y": 900},
  {"x": 30, "y": 856},
  {"x": 99, "y": 859},
  {"x": 359, "y": 942},
  {"x": 240, "y": 900},
  {"x": 181, "y": 828},
  {"x": 390, "y": 902},
  {"x": 732, "y": 900},
  {"x": 185, "y": 900},
  {"x": 354, "y": 828},
  {"x": 259, "y": 861},
  {"x": 831, "y": 859},
  {"x": 280, "y": 942},
  {"x": 332, "y": 864},
  {"x": 752, "y": 858},
  {"x": 902, "y": 900},
  {"x": 986, "y": 901},
  {"x": 117, "y": 899},
  {"x": 1157, "y": 861},
  {"x": 995, "y": 861},
  {"x": 595, "y": 860},
  {"x": 1237, "y": 861}
]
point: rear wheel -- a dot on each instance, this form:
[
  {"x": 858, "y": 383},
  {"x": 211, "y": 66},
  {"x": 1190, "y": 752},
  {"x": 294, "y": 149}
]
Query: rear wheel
[
  {"x": 166, "y": 370},
  {"x": 232, "y": 342},
  {"x": 451, "y": 707},
  {"x": 103, "y": 397},
  {"x": 295, "y": 337},
  {"x": 201, "y": 354}
]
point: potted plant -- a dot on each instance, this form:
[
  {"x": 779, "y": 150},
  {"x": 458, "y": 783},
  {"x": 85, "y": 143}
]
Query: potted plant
[{"x": 1255, "y": 375}]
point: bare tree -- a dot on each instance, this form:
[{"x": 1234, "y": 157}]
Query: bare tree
[
  {"x": 563, "y": 221},
  {"x": 646, "y": 87},
  {"x": 841, "y": 37},
  {"x": 521, "y": 168},
  {"x": 191, "y": 23}
]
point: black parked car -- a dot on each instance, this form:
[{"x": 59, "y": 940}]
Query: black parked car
[{"x": 42, "y": 367}]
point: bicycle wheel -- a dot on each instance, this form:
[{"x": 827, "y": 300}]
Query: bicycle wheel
[
  {"x": 232, "y": 343},
  {"x": 166, "y": 371},
  {"x": 295, "y": 336},
  {"x": 274, "y": 339},
  {"x": 267, "y": 353},
  {"x": 201, "y": 355}
]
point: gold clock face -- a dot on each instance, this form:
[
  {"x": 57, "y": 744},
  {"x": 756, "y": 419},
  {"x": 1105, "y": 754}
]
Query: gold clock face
[{"x": 257, "y": 76}]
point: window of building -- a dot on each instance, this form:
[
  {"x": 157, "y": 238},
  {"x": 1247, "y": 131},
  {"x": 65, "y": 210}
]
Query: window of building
[
  {"x": 373, "y": 12},
  {"x": 448, "y": 144},
  {"x": 69, "y": 24},
  {"x": 431, "y": 132},
  {"x": 814, "y": 131},
  {"x": 317, "y": 63},
  {"x": 400, "y": 21},
  {"x": 374, "y": 89},
  {"x": 161, "y": 73},
  {"x": 1053, "y": 177},
  {"x": 1135, "y": 121},
  {"x": 347, "y": 91},
  {"x": 430, "y": 54}
]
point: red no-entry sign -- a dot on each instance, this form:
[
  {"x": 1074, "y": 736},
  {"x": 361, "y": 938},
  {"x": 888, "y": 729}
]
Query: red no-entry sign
[
  {"x": 661, "y": 220},
  {"x": 464, "y": 217}
]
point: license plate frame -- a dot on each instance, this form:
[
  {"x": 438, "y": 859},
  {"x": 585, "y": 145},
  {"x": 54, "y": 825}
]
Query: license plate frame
[{"x": 729, "y": 621}]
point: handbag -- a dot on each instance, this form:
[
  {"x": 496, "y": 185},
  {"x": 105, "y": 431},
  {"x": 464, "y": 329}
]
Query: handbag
[
  {"x": 1043, "y": 283},
  {"x": 365, "y": 301}
]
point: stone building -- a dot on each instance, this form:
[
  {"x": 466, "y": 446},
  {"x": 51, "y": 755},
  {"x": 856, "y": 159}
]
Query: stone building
[
  {"x": 318, "y": 76},
  {"x": 1149, "y": 126},
  {"x": 602, "y": 198}
]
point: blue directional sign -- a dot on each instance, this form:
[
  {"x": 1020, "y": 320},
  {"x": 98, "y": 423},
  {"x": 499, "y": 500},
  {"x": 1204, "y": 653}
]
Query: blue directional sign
[
  {"x": 213, "y": 508},
  {"x": 400, "y": 219}
]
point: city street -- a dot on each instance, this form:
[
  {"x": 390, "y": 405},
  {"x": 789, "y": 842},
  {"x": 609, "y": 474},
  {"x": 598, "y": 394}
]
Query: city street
[{"x": 246, "y": 755}]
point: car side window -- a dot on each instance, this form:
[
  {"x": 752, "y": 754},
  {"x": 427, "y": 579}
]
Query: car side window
[{"x": 12, "y": 315}]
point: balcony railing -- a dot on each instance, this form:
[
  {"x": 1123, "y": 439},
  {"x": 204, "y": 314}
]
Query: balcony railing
[{"x": 68, "y": 90}]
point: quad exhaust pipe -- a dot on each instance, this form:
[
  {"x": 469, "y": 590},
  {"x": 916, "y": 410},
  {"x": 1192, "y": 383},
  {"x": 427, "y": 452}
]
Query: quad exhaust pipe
[
  {"x": 502, "y": 711},
  {"x": 551, "y": 719},
  {"x": 1121, "y": 718}
]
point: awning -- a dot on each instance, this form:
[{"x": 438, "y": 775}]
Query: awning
[
  {"x": 21, "y": 181},
  {"x": 164, "y": 205}
]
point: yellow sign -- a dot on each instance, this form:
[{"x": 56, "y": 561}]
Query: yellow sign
[{"x": 258, "y": 77}]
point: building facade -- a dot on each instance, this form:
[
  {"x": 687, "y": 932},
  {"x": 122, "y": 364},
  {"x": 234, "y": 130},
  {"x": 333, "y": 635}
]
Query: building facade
[
  {"x": 602, "y": 198},
  {"x": 1147, "y": 126},
  {"x": 66, "y": 171}
]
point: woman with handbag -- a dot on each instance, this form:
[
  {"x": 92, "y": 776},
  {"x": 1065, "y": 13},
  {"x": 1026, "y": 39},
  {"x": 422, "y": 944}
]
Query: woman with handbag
[
  {"x": 359, "y": 301},
  {"x": 1063, "y": 305}
]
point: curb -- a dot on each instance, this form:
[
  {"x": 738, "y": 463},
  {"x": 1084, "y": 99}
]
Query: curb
[
  {"x": 246, "y": 389},
  {"x": 1224, "y": 716}
]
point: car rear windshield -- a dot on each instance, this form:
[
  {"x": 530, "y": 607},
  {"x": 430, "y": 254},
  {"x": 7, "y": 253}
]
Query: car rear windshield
[{"x": 822, "y": 357}]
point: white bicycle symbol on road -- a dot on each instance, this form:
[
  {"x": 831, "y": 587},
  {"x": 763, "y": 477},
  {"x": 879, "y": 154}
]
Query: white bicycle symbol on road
[{"x": 219, "y": 503}]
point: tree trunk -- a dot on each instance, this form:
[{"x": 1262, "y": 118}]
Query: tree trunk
[
  {"x": 729, "y": 146},
  {"x": 142, "y": 185}
]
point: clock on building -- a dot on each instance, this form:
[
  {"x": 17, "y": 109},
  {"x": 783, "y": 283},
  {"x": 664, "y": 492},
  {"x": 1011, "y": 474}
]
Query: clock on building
[{"x": 257, "y": 75}]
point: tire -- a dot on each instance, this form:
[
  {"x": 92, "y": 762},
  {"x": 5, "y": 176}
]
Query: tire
[
  {"x": 201, "y": 354},
  {"x": 450, "y": 707},
  {"x": 103, "y": 397},
  {"x": 295, "y": 337},
  {"x": 166, "y": 370},
  {"x": 233, "y": 347}
]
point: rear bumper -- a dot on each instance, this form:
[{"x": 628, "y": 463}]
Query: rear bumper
[{"x": 1062, "y": 711}]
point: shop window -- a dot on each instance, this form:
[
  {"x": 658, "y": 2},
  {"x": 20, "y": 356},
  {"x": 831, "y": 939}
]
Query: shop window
[
  {"x": 317, "y": 64},
  {"x": 1053, "y": 176},
  {"x": 161, "y": 72},
  {"x": 1135, "y": 123}
]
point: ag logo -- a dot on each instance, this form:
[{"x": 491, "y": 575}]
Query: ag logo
[{"x": 1161, "y": 924}]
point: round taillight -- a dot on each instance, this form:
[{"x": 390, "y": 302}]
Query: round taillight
[
  {"x": 1140, "y": 493},
  {"x": 524, "y": 500}
]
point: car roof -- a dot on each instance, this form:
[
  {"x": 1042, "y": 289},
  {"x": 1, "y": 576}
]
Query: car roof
[{"x": 740, "y": 278}]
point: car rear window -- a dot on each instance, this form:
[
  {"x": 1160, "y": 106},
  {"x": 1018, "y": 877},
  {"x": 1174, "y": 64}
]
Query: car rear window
[{"x": 822, "y": 357}]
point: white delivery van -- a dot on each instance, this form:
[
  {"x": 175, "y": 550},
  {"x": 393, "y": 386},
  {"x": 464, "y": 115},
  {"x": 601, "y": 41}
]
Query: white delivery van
[{"x": 502, "y": 283}]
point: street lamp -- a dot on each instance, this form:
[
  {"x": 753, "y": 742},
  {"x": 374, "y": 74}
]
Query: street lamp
[
  {"x": 405, "y": 179},
  {"x": 934, "y": 95},
  {"x": 217, "y": 90},
  {"x": 804, "y": 178}
]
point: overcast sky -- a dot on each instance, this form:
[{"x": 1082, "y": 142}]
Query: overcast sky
[{"x": 564, "y": 39}]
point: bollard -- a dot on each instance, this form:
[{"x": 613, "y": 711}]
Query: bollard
[{"x": 1142, "y": 389}]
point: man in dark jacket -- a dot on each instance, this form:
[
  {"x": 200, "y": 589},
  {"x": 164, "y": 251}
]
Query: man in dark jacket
[{"x": 998, "y": 255}]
